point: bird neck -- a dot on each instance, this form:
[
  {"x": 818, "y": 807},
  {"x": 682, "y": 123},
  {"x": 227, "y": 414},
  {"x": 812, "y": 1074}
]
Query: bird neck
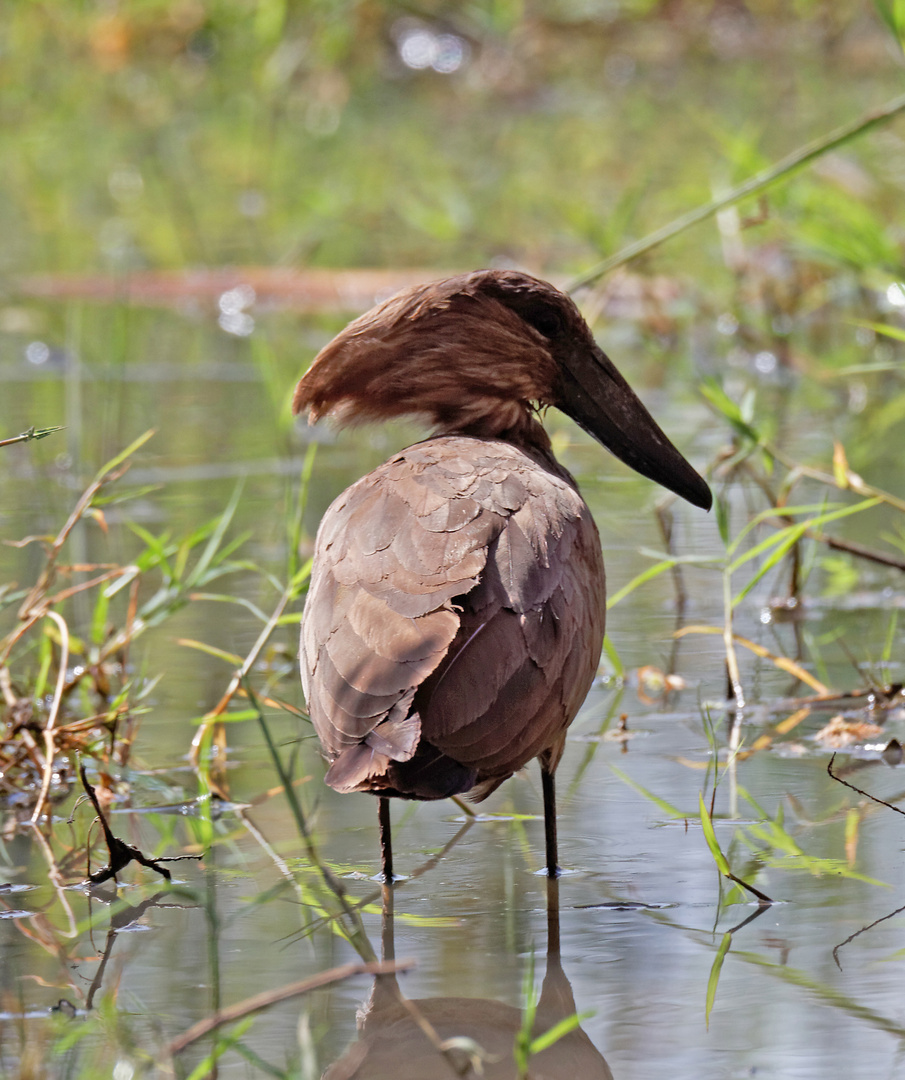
[
  {"x": 529, "y": 436},
  {"x": 522, "y": 429}
]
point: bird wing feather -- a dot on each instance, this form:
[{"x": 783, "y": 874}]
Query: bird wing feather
[{"x": 456, "y": 591}]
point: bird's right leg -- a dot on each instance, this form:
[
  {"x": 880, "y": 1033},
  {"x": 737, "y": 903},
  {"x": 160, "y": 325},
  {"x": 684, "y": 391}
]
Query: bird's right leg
[{"x": 548, "y": 784}]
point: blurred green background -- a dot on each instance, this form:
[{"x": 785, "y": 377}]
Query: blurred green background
[{"x": 194, "y": 197}]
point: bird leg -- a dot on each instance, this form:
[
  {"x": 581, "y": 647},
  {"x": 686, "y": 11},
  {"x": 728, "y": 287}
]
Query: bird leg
[
  {"x": 553, "y": 952},
  {"x": 548, "y": 783},
  {"x": 386, "y": 838},
  {"x": 387, "y": 937}
]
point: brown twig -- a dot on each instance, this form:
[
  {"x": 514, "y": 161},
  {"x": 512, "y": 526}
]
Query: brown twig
[
  {"x": 33, "y": 602},
  {"x": 121, "y": 853},
  {"x": 272, "y": 997},
  {"x": 863, "y": 930},
  {"x": 859, "y": 550},
  {"x": 866, "y": 794},
  {"x": 762, "y": 899}
]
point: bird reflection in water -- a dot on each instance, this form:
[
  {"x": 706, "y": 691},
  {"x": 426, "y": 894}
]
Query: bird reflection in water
[
  {"x": 455, "y": 616},
  {"x": 397, "y": 1037}
]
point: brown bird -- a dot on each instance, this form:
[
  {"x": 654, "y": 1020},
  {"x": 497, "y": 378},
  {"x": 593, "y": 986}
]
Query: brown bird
[{"x": 455, "y": 613}]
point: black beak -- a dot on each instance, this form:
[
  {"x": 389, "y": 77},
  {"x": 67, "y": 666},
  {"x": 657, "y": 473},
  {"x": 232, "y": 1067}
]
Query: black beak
[{"x": 599, "y": 400}]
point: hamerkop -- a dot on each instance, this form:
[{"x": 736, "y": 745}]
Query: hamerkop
[{"x": 455, "y": 614}]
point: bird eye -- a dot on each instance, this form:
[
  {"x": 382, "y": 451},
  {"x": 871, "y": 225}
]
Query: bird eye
[
  {"x": 546, "y": 320},
  {"x": 533, "y": 303}
]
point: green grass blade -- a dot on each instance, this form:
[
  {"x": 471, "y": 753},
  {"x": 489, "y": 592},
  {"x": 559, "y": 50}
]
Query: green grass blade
[
  {"x": 667, "y": 808},
  {"x": 710, "y": 836},
  {"x": 216, "y": 538},
  {"x": 638, "y": 580},
  {"x": 555, "y": 1033},
  {"x": 713, "y": 980},
  {"x": 137, "y": 444},
  {"x": 897, "y": 333}
]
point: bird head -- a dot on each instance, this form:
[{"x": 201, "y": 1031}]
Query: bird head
[{"x": 479, "y": 354}]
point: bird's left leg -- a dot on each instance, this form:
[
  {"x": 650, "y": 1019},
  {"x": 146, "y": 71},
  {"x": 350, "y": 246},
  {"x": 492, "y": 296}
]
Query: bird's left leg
[{"x": 386, "y": 838}]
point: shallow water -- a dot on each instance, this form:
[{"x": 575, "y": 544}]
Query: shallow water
[{"x": 642, "y": 911}]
